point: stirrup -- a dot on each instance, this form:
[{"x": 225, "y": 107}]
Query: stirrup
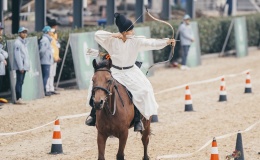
[
  {"x": 138, "y": 126},
  {"x": 90, "y": 121}
]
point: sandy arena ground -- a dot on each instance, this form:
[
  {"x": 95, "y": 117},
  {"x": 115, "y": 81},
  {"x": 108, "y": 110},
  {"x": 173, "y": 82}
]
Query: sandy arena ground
[{"x": 178, "y": 132}]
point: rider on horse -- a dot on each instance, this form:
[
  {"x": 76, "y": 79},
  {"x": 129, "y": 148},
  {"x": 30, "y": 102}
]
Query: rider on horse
[{"x": 123, "y": 48}]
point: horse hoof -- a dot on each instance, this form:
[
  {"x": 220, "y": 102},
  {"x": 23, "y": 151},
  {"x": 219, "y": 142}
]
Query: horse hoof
[
  {"x": 120, "y": 158},
  {"x": 146, "y": 158}
]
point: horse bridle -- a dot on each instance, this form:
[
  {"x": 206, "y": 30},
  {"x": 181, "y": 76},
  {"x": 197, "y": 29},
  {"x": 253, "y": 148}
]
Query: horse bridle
[{"x": 107, "y": 90}]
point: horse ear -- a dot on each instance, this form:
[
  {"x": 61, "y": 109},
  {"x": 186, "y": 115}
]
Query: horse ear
[
  {"x": 94, "y": 63},
  {"x": 110, "y": 63}
]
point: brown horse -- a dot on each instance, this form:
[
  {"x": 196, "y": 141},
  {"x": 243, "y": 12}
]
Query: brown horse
[{"x": 115, "y": 110}]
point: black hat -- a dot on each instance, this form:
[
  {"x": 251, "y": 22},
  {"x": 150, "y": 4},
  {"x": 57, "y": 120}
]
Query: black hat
[
  {"x": 52, "y": 22},
  {"x": 123, "y": 24}
]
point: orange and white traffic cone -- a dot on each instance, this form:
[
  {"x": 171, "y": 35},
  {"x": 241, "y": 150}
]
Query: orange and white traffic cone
[
  {"x": 56, "y": 147},
  {"x": 248, "y": 87},
  {"x": 223, "y": 92},
  {"x": 214, "y": 150},
  {"x": 188, "y": 101}
]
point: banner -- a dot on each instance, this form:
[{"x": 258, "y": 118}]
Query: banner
[
  {"x": 79, "y": 43},
  {"x": 194, "y": 55},
  {"x": 147, "y": 56},
  {"x": 241, "y": 36},
  {"x": 33, "y": 83}
]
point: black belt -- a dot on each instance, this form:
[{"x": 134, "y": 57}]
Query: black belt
[{"x": 122, "y": 68}]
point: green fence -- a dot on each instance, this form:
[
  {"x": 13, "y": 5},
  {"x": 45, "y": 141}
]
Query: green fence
[
  {"x": 241, "y": 37},
  {"x": 194, "y": 56},
  {"x": 79, "y": 43}
]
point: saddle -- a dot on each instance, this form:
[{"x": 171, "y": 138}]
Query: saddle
[{"x": 139, "y": 65}]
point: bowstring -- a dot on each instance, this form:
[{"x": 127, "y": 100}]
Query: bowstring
[
  {"x": 172, "y": 48},
  {"x": 135, "y": 21}
]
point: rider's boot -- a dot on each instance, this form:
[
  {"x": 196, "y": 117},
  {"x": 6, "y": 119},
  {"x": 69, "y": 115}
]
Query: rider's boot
[
  {"x": 138, "y": 126},
  {"x": 91, "y": 119}
]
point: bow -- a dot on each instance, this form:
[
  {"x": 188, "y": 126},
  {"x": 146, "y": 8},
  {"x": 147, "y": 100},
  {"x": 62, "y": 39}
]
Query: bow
[{"x": 172, "y": 50}]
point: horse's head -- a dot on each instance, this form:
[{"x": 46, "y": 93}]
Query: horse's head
[{"x": 102, "y": 81}]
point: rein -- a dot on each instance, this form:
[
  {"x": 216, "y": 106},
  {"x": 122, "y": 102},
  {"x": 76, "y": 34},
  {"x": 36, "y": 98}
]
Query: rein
[{"x": 108, "y": 92}]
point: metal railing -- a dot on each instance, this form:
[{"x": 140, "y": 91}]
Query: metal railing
[
  {"x": 27, "y": 16},
  {"x": 209, "y": 5},
  {"x": 214, "y": 5}
]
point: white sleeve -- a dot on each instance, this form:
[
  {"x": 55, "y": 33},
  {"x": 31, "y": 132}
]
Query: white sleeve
[
  {"x": 103, "y": 38},
  {"x": 4, "y": 53},
  {"x": 151, "y": 44},
  {"x": 2, "y": 58}
]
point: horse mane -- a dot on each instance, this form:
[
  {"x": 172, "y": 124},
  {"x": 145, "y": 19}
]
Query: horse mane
[{"x": 102, "y": 61}]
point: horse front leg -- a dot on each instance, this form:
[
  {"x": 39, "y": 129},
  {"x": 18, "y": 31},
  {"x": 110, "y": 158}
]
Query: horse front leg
[
  {"x": 101, "y": 141},
  {"x": 145, "y": 138},
  {"x": 122, "y": 142}
]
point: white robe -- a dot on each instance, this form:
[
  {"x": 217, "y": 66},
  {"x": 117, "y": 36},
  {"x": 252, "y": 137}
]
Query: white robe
[{"x": 124, "y": 54}]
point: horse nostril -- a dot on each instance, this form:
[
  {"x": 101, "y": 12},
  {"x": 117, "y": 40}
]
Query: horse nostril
[{"x": 99, "y": 105}]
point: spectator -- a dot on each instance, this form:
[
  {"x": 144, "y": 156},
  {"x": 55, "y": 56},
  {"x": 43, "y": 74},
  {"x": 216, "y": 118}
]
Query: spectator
[
  {"x": 187, "y": 38},
  {"x": 56, "y": 58},
  {"x": 46, "y": 56},
  {"x": 230, "y": 7},
  {"x": 21, "y": 62},
  {"x": 3, "y": 57}
]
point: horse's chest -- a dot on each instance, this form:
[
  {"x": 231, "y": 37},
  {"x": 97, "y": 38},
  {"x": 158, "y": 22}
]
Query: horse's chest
[{"x": 111, "y": 130}]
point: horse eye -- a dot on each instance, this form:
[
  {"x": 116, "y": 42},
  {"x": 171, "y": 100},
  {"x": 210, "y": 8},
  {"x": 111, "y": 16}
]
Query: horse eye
[{"x": 109, "y": 81}]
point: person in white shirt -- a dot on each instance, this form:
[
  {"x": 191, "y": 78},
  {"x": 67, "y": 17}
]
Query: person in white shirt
[{"x": 123, "y": 48}]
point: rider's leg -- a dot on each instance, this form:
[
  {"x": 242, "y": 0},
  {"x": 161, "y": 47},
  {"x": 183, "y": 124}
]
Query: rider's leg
[
  {"x": 138, "y": 126},
  {"x": 91, "y": 119}
]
